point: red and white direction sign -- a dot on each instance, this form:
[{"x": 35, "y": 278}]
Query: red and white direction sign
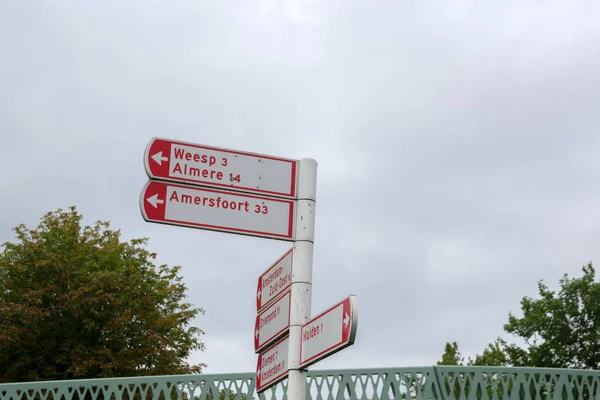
[
  {"x": 218, "y": 210},
  {"x": 275, "y": 280},
  {"x": 273, "y": 322},
  {"x": 184, "y": 162},
  {"x": 272, "y": 365},
  {"x": 329, "y": 332}
]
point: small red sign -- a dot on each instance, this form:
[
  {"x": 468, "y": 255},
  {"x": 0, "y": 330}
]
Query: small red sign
[
  {"x": 275, "y": 280},
  {"x": 273, "y": 322},
  {"x": 328, "y": 332},
  {"x": 272, "y": 365}
]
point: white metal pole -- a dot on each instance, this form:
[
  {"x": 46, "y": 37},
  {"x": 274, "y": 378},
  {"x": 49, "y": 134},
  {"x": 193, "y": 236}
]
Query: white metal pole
[{"x": 302, "y": 273}]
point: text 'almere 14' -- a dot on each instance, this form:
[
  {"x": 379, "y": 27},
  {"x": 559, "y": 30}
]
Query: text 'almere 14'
[{"x": 204, "y": 171}]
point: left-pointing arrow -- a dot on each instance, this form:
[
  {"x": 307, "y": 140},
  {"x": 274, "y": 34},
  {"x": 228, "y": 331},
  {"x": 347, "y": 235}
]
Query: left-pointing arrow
[
  {"x": 158, "y": 157},
  {"x": 154, "y": 200}
]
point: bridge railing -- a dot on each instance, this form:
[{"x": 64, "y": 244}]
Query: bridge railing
[{"x": 418, "y": 383}]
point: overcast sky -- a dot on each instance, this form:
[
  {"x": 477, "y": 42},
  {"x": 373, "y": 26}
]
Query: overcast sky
[{"x": 458, "y": 147}]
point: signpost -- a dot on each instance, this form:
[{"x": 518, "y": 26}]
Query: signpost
[
  {"x": 218, "y": 210},
  {"x": 272, "y": 322},
  {"x": 276, "y": 279},
  {"x": 272, "y": 365},
  {"x": 212, "y": 188},
  {"x": 183, "y": 162},
  {"x": 329, "y": 332}
]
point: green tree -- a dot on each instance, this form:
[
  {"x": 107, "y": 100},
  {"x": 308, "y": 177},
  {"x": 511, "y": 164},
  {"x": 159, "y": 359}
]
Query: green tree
[
  {"x": 494, "y": 355},
  {"x": 222, "y": 396},
  {"x": 560, "y": 328},
  {"x": 453, "y": 383},
  {"x": 451, "y": 355},
  {"x": 457, "y": 381},
  {"x": 77, "y": 302}
]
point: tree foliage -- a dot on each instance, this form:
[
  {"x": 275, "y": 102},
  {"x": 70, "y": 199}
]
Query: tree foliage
[
  {"x": 223, "y": 396},
  {"x": 451, "y": 355},
  {"x": 493, "y": 355},
  {"x": 560, "y": 329},
  {"x": 77, "y": 302}
]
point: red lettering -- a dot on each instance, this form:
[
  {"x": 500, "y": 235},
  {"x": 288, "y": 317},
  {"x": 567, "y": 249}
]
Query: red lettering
[
  {"x": 267, "y": 319},
  {"x": 258, "y": 209},
  {"x": 211, "y": 202},
  {"x": 272, "y": 276},
  {"x": 272, "y": 371},
  {"x": 310, "y": 333},
  {"x": 182, "y": 154},
  {"x": 197, "y": 172},
  {"x": 179, "y": 153},
  {"x": 270, "y": 359}
]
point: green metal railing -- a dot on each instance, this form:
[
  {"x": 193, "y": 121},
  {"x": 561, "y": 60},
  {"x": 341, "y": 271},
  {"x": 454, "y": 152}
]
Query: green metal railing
[{"x": 419, "y": 383}]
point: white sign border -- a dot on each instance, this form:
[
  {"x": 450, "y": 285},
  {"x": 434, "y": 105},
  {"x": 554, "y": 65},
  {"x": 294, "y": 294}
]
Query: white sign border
[
  {"x": 213, "y": 228},
  {"x": 287, "y": 370},
  {"x": 222, "y": 187},
  {"x": 341, "y": 345},
  {"x": 285, "y": 331},
  {"x": 266, "y": 272}
]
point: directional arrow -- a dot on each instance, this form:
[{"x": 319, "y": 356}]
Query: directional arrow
[
  {"x": 321, "y": 336},
  {"x": 158, "y": 158},
  {"x": 346, "y": 320},
  {"x": 154, "y": 200},
  {"x": 274, "y": 361},
  {"x": 272, "y": 322},
  {"x": 248, "y": 172},
  {"x": 276, "y": 280}
]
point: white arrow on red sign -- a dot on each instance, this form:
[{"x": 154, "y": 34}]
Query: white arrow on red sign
[
  {"x": 272, "y": 323},
  {"x": 272, "y": 365},
  {"x": 158, "y": 158},
  {"x": 275, "y": 280},
  {"x": 184, "y": 162},
  {"x": 329, "y": 332},
  {"x": 218, "y": 210}
]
